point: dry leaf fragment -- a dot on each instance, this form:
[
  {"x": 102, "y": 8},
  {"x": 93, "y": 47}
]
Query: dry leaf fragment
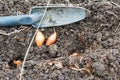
[
  {"x": 51, "y": 62},
  {"x": 51, "y": 39},
  {"x": 17, "y": 63},
  {"x": 39, "y": 39},
  {"x": 58, "y": 64},
  {"x": 74, "y": 54},
  {"x": 88, "y": 67}
]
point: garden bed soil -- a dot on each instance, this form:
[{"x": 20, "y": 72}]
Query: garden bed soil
[{"x": 96, "y": 40}]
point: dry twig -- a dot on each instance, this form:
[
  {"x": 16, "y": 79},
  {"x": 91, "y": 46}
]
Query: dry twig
[
  {"x": 109, "y": 12},
  {"x": 26, "y": 54},
  {"x": 115, "y": 3},
  {"x": 5, "y": 33},
  {"x": 76, "y": 68},
  {"x": 117, "y": 27}
]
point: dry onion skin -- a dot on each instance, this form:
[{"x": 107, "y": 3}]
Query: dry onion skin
[
  {"x": 51, "y": 39},
  {"x": 17, "y": 63},
  {"x": 39, "y": 39}
]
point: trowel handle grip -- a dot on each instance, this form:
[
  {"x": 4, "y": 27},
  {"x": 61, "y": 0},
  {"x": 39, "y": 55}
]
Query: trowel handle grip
[{"x": 19, "y": 20}]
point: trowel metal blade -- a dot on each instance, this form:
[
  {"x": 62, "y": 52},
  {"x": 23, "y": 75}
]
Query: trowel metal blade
[{"x": 58, "y": 16}]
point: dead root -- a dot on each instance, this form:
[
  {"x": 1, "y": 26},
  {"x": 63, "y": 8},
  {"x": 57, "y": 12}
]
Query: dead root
[
  {"x": 76, "y": 68},
  {"x": 13, "y": 32}
]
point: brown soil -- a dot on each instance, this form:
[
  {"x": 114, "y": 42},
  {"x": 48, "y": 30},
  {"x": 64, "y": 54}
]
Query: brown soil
[{"x": 96, "y": 39}]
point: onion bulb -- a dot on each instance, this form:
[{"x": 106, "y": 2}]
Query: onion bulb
[
  {"x": 51, "y": 39},
  {"x": 39, "y": 39}
]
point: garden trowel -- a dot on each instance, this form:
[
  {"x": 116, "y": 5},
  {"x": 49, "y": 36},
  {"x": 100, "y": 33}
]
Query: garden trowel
[{"x": 55, "y": 16}]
